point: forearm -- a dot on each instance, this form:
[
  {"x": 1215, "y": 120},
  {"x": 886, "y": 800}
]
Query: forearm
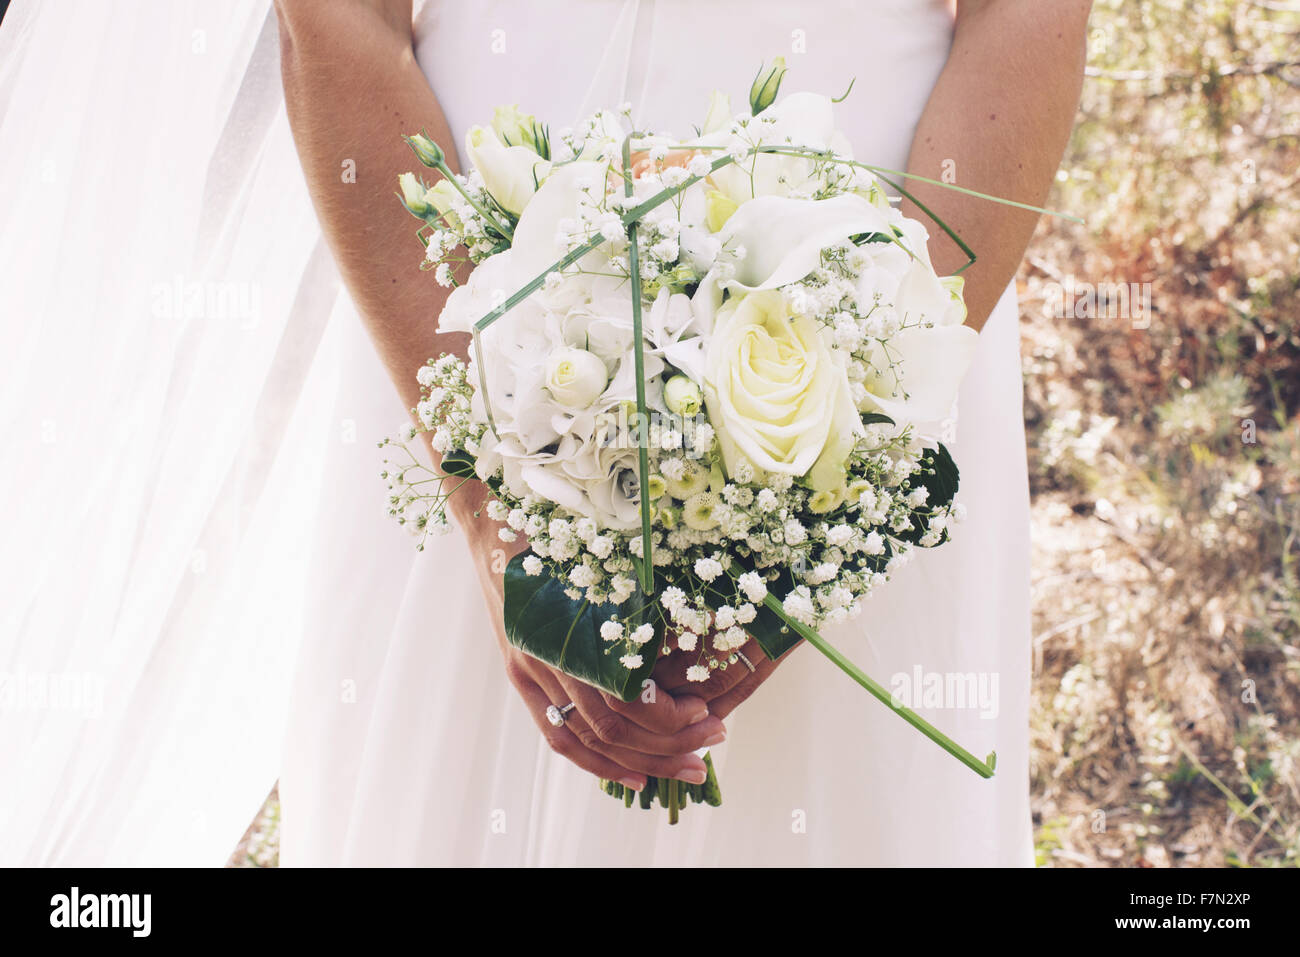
[
  {"x": 998, "y": 121},
  {"x": 352, "y": 88}
]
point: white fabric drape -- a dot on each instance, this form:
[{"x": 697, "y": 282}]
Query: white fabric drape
[
  {"x": 165, "y": 307},
  {"x": 187, "y": 479}
]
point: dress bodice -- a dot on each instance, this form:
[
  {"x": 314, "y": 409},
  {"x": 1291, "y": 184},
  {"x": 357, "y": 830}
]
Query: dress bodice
[{"x": 562, "y": 59}]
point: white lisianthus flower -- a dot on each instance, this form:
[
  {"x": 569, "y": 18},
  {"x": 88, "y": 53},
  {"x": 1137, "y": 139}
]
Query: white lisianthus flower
[
  {"x": 777, "y": 394},
  {"x": 575, "y": 377},
  {"x": 510, "y": 173}
]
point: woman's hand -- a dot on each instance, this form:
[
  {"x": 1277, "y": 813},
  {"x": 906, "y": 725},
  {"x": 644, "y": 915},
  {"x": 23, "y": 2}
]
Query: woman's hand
[
  {"x": 724, "y": 690},
  {"x": 617, "y": 740},
  {"x": 620, "y": 741}
]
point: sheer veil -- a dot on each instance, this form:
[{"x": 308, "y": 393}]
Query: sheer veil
[{"x": 169, "y": 315}]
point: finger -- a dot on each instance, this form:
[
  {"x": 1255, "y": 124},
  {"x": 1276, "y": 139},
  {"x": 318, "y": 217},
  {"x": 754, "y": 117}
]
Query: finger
[
  {"x": 563, "y": 741},
  {"x": 658, "y": 711},
  {"x": 720, "y": 682},
  {"x": 686, "y": 767},
  {"x": 618, "y": 730},
  {"x": 671, "y": 673},
  {"x": 728, "y": 701}
]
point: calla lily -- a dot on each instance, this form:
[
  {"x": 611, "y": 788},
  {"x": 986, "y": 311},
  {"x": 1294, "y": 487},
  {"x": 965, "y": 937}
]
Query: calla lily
[
  {"x": 719, "y": 116},
  {"x": 928, "y": 365},
  {"x": 801, "y": 119},
  {"x": 534, "y": 247},
  {"x": 783, "y": 238}
]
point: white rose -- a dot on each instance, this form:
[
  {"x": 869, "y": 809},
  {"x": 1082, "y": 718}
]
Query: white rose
[
  {"x": 777, "y": 394},
  {"x": 575, "y": 377},
  {"x": 510, "y": 173}
]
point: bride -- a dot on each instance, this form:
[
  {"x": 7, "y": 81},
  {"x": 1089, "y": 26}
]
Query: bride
[{"x": 417, "y": 734}]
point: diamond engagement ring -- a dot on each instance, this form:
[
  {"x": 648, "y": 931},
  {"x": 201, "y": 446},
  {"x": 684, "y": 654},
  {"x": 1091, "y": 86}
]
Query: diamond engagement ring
[
  {"x": 748, "y": 664},
  {"x": 556, "y": 715}
]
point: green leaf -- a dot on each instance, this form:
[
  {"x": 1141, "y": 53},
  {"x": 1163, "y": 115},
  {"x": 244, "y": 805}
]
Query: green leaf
[
  {"x": 876, "y": 418},
  {"x": 943, "y": 482},
  {"x": 938, "y": 474},
  {"x": 458, "y": 463},
  {"x": 549, "y": 625}
]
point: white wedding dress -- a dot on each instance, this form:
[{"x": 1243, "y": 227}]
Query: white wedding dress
[{"x": 406, "y": 744}]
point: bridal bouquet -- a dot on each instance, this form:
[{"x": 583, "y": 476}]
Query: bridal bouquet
[{"x": 709, "y": 380}]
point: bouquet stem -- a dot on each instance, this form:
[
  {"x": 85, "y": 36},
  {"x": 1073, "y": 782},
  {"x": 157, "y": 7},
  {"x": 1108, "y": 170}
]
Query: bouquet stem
[{"x": 983, "y": 768}]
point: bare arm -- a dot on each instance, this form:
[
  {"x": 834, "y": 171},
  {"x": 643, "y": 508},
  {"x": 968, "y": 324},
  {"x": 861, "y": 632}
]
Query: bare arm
[
  {"x": 999, "y": 119},
  {"x": 352, "y": 87}
]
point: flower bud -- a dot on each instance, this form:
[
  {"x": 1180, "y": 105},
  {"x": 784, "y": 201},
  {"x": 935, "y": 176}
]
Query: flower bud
[
  {"x": 413, "y": 194},
  {"x": 442, "y": 196},
  {"x": 682, "y": 396},
  {"x": 521, "y": 129},
  {"x": 575, "y": 377},
  {"x": 766, "y": 85},
  {"x": 426, "y": 150}
]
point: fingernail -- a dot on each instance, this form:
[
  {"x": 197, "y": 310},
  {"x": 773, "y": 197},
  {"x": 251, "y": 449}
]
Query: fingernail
[
  {"x": 715, "y": 739},
  {"x": 693, "y": 775},
  {"x": 698, "y": 711},
  {"x": 635, "y": 784}
]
